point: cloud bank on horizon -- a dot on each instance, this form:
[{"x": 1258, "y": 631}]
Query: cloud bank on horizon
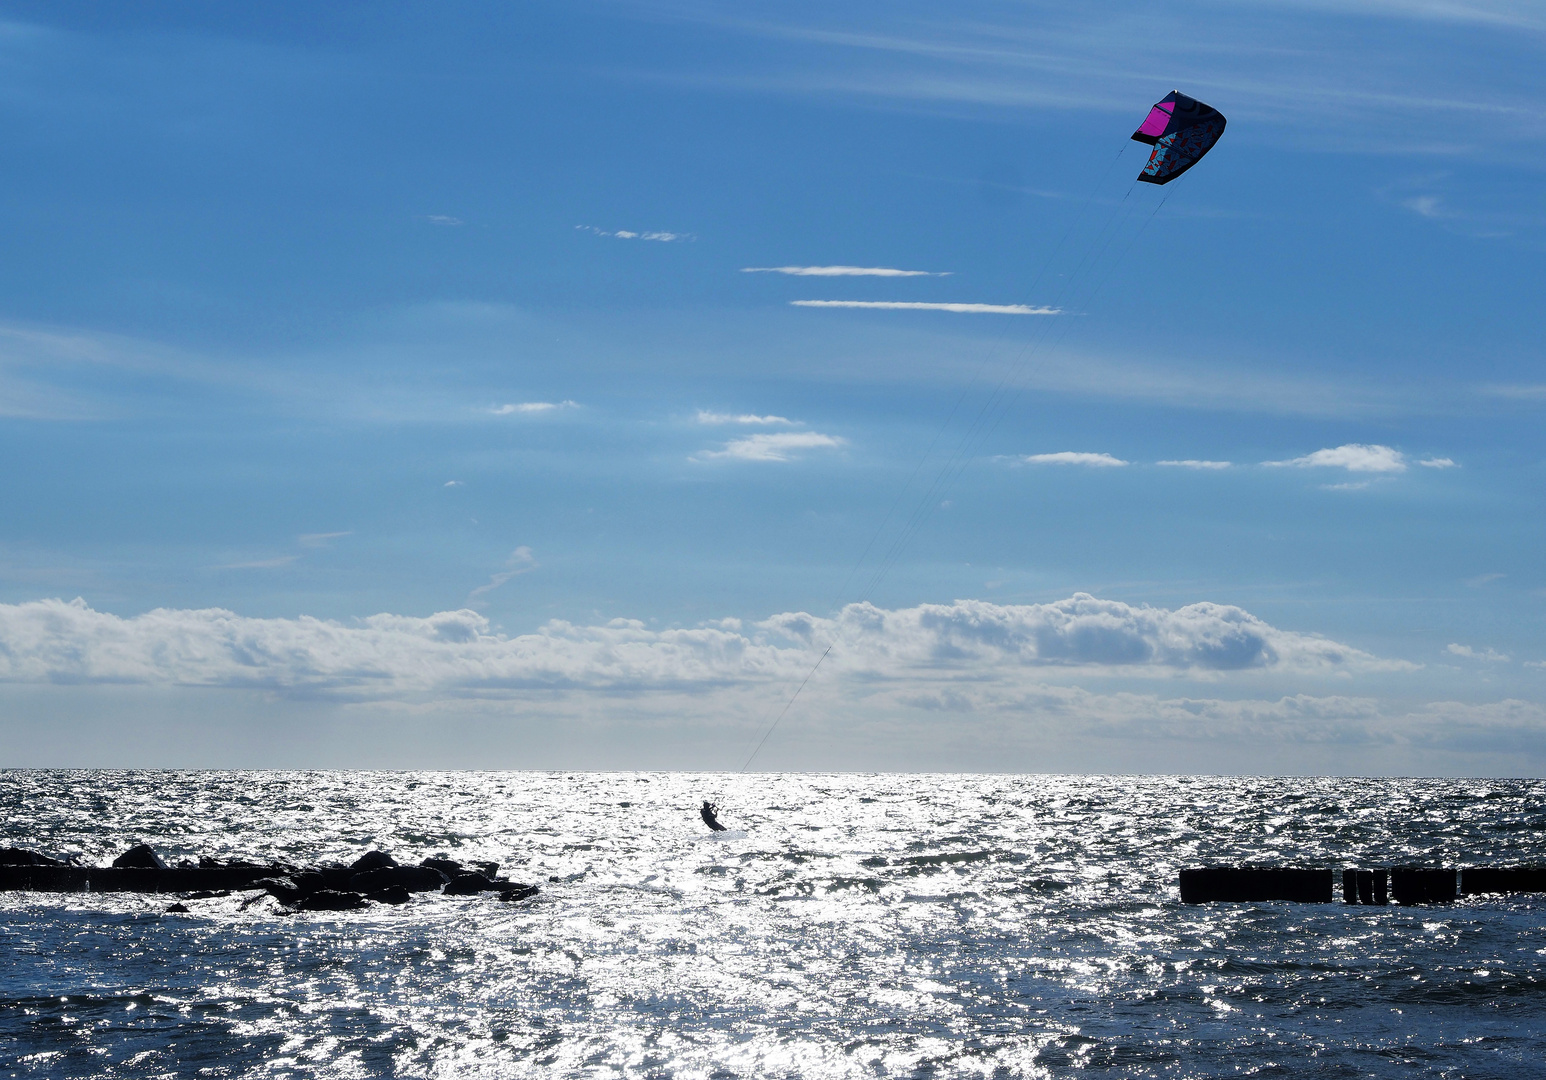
[{"x": 458, "y": 652}]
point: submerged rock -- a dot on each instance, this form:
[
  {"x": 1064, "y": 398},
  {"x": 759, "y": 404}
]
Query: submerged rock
[
  {"x": 518, "y": 892},
  {"x": 453, "y": 869},
  {"x": 468, "y": 885},
  {"x": 139, "y": 857},
  {"x": 15, "y": 856},
  {"x": 372, "y": 860},
  {"x": 412, "y": 878},
  {"x": 392, "y": 894},
  {"x": 177, "y": 909},
  {"x": 331, "y": 900}
]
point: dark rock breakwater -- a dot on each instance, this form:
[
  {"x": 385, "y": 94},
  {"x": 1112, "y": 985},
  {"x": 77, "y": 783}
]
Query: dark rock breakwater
[{"x": 375, "y": 877}]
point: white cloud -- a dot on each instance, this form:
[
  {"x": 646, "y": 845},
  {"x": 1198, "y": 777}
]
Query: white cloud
[
  {"x": 901, "y": 305},
  {"x": 1354, "y": 457},
  {"x": 452, "y": 483},
  {"x": 1438, "y": 463},
  {"x": 1428, "y": 206},
  {"x": 521, "y": 561},
  {"x": 1192, "y": 463},
  {"x": 1483, "y": 579},
  {"x": 1072, "y": 457},
  {"x": 318, "y": 540},
  {"x": 706, "y": 417},
  {"x": 968, "y": 644},
  {"x": 842, "y": 271},
  {"x": 630, "y": 234},
  {"x": 1492, "y": 656},
  {"x": 772, "y": 447},
  {"x": 443, "y": 219},
  {"x": 530, "y": 407}
]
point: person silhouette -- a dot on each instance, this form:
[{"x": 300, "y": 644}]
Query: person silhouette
[{"x": 710, "y": 815}]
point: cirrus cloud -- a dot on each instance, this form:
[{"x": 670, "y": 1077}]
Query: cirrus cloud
[
  {"x": 779, "y": 446},
  {"x": 706, "y": 417},
  {"x": 1072, "y": 457},
  {"x": 532, "y": 408},
  {"x": 842, "y": 271},
  {"x": 521, "y": 561},
  {"x": 911, "y": 305},
  {"x": 630, "y": 234}
]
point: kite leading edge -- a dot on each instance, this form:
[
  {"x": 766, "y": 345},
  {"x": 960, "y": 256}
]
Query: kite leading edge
[{"x": 1181, "y": 129}]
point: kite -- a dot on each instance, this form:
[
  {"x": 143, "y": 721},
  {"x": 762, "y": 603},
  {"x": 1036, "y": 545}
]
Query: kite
[{"x": 1181, "y": 129}]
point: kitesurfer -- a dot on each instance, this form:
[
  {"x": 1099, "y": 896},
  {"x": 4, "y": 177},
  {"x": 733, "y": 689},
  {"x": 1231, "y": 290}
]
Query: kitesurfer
[{"x": 710, "y": 814}]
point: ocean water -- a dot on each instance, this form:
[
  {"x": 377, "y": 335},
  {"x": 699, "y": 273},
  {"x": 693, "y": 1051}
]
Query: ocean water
[{"x": 881, "y": 925}]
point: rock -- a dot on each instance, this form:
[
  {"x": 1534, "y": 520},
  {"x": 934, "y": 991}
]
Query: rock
[
  {"x": 449, "y": 867},
  {"x": 308, "y": 881},
  {"x": 518, "y": 892},
  {"x": 334, "y": 876},
  {"x": 282, "y": 889},
  {"x": 392, "y": 894},
  {"x": 489, "y": 870},
  {"x": 331, "y": 900},
  {"x": 15, "y": 856},
  {"x": 139, "y": 857},
  {"x": 372, "y": 860},
  {"x": 206, "y": 894},
  {"x": 177, "y": 909},
  {"x": 468, "y": 885},
  {"x": 412, "y": 878}
]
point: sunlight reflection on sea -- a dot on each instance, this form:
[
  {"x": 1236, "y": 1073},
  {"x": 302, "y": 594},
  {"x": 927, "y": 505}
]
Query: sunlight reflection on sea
[{"x": 865, "y": 925}]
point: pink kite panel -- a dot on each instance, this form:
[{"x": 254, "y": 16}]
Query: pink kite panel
[{"x": 1158, "y": 117}]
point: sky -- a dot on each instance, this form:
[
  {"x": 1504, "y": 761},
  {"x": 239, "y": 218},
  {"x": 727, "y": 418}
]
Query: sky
[{"x": 552, "y": 385}]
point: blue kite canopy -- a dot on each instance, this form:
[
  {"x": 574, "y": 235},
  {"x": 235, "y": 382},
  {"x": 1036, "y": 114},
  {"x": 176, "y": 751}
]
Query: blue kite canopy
[{"x": 1181, "y": 129}]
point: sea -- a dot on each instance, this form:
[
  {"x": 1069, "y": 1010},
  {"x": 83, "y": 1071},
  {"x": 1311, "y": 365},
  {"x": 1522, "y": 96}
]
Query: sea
[{"x": 847, "y": 925}]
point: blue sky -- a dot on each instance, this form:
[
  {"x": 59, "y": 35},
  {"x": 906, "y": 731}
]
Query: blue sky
[{"x": 319, "y": 316}]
